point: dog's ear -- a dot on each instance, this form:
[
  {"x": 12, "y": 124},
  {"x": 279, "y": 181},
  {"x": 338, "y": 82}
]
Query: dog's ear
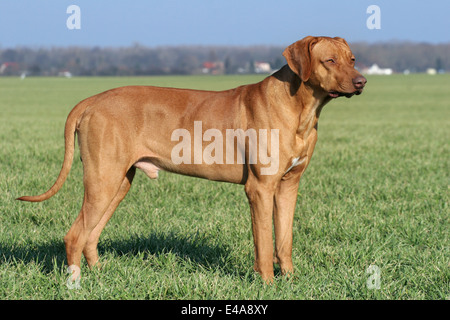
[{"x": 298, "y": 56}]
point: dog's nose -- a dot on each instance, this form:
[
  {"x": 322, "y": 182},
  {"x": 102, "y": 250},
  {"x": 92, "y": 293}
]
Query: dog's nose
[{"x": 359, "y": 82}]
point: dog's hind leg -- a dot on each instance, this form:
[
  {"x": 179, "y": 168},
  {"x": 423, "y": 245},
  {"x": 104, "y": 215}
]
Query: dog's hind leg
[
  {"x": 103, "y": 190},
  {"x": 90, "y": 249}
]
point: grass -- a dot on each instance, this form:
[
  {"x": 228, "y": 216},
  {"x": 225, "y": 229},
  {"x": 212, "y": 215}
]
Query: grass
[{"x": 375, "y": 193}]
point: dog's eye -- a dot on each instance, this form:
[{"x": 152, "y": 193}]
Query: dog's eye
[{"x": 330, "y": 61}]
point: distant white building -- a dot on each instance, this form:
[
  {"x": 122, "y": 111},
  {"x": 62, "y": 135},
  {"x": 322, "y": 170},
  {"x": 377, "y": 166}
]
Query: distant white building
[
  {"x": 262, "y": 67},
  {"x": 375, "y": 69},
  {"x": 65, "y": 74}
]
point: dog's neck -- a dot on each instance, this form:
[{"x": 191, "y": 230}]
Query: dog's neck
[{"x": 304, "y": 100}]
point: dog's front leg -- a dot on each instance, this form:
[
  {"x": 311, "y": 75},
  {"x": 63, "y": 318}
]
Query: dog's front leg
[
  {"x": 260, "y": 197},
  {"x": 284, "y": 208}
]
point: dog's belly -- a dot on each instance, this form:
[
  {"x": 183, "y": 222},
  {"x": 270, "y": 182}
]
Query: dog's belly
[{"x": 232, "y": 173}]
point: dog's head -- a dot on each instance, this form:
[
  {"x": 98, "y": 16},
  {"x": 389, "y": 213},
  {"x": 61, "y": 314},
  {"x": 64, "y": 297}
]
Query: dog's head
[{"x": 327, "y": 63}]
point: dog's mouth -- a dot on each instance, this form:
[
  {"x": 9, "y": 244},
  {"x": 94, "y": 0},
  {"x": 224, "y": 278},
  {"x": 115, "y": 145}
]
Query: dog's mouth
[{"x": 337, "y": 94}]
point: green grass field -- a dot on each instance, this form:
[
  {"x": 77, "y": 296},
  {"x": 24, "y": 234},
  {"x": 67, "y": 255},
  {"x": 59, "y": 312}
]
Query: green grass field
[{"x": 375, "y": 193}]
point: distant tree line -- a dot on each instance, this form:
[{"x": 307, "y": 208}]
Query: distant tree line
[{"x": 140, "y": 60}]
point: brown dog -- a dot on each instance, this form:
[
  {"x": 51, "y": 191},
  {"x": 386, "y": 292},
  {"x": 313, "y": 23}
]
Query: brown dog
[{"x": 272, "y": 126}]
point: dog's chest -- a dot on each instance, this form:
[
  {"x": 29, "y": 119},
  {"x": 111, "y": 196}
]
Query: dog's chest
[
  {"x": 296, "y": 162},
  {"x": 305, "y": 142}
]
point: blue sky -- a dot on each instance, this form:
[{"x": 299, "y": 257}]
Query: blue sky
[{"x": 113, "y": 23}]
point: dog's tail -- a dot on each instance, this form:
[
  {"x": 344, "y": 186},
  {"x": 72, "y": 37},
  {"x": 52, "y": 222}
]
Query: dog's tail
[{"x": 69, "y": 137}]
